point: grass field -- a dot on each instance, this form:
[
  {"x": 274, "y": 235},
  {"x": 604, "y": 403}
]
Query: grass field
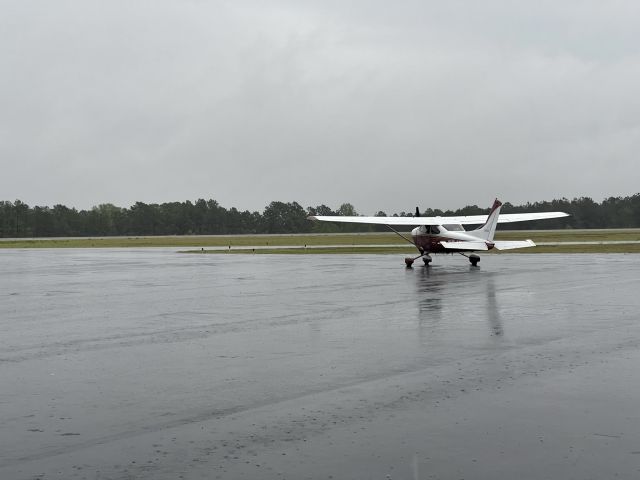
[
  {"x": 205, "y": 241},
  {"x": 361, "y": 243}
]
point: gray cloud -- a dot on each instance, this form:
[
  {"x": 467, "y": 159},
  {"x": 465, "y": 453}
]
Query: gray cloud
[{"x": 385, "y": 105}]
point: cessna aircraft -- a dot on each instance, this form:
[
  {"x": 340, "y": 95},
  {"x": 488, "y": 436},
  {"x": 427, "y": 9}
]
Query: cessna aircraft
[{"x": 447, "y": 234}]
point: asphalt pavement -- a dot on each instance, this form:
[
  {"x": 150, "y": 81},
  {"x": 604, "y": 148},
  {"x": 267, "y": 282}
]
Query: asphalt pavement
[{"x": 147, "y": 363}]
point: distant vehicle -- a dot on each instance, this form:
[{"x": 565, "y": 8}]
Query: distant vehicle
[{"x": 447, "y": 234}]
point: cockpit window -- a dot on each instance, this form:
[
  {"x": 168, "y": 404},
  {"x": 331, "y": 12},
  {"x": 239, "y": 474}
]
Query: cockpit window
[{"x": 454, "y": 227}]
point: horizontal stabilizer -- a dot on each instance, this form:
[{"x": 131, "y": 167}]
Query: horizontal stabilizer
[
  {"x": 464, "y": 245},
  {"x": 510, "y": 245}
]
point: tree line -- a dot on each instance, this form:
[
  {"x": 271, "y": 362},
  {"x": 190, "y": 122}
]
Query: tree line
[{"x": 208, "y": 217}]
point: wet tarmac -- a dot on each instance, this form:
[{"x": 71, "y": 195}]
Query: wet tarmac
[{"x": 152, "y": 364}]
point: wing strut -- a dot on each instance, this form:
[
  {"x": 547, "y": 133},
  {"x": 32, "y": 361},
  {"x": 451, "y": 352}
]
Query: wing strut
[{"x": 398, "y": 233}]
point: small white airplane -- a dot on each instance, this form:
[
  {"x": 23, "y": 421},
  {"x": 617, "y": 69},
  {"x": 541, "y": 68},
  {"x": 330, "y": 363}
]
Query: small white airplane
[{"x": 447, "y": 234}]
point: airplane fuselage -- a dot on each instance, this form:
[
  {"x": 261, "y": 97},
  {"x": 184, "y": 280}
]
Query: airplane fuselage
[{"x": 428, "y": 237}]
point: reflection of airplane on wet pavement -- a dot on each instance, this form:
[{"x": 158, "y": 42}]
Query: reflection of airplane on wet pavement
[
  {"x": 447, "y": 234},
  {"x": 437, "y": 288}
]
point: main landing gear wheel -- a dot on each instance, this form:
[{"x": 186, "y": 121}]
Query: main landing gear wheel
[
  {"x": 474, "y": 259},
  {"x": 425, "y": 258}
]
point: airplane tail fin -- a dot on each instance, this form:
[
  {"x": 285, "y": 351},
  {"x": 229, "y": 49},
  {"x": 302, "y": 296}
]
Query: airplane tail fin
[{"x": 488, "y": 230}]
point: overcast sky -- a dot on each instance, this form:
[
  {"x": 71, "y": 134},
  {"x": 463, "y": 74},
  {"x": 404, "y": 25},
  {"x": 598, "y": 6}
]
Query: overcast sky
[{"x": 386, "y": 105}]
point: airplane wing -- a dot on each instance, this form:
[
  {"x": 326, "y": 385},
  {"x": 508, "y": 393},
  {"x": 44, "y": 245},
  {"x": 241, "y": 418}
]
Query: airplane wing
[
  {"x": 464, "y": 220},
  {"x": 524, "y": 217}
]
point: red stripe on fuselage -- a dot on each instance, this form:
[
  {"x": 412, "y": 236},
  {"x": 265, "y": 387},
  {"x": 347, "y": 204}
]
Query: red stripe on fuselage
[{"x": 431, "y": 243}]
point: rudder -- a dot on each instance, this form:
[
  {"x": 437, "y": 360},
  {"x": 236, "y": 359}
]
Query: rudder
[{"x": 488, "y": 230}]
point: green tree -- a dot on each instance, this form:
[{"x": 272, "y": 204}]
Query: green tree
[
  {"x": 347, "y": 210},
  {"x": 42, "y": 222},
  {"x": 7, "y": 219},
  {"x": 280, "y": 217},
  {"x": 22, "y": 214}
]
